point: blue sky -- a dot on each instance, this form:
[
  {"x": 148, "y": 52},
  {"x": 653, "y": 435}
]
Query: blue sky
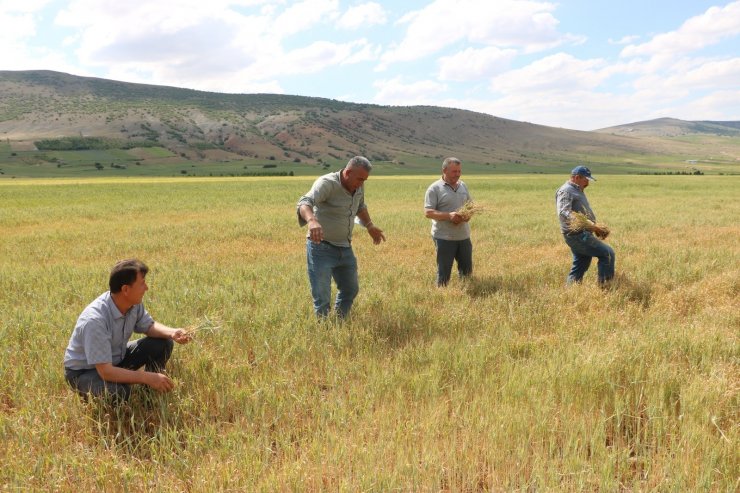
[{"x": 575, "y": 64}]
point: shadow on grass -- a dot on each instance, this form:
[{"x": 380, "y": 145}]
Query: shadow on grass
[
  {"x": 482, "y": 287},
  {"x": 397, "y": 326},
  {"x": 638, "y": 292}
]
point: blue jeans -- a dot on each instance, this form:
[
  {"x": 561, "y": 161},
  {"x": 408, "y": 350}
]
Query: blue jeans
[
  {"x": 449, "y": 251},
  {"x": 585, "y": 246},
  {"x": 150, "y": 352},
  {"x": 326, "y": 261}
]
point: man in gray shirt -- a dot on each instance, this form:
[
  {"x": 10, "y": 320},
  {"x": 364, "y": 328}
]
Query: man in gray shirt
[
  {"x": 100, "y": 360},
  {"x": 450, "y": 230},
  {"x": 329, "y": 209},
  {"x": 584, "y": 244}
]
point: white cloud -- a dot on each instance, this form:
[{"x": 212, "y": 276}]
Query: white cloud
[
  {"x": 713, "y": 106},
  {"x": 689, "y": 79},
  {"x": 366, "y": 52},
  {"x": 696, "y": 33},
  {"x": 474, "y": 64},
  {"x": 362, "y": 16},
  {"x": 303, "y": 15},
  {"x": 199, "y": 46},
  {"x": 233, "y": 82},
  {"x": 560, "y": 72},
  {"x": 320, "y": 55},
  {"x": 396, "y": 92},
  {"x": 527, "y": 25},
  {"x": 584, "y": 110},
  {"x": 19, "y": 26},
  {"x": 18, "y": 23},
  {"x": 15, "y": 27},
  {"x": 625, "y": 40},
  {"x": 22, "y": 6},
  {"x": 714, "y": 74}
]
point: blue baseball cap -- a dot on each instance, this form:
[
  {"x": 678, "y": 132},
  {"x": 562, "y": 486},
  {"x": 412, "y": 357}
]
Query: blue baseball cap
[{"x": 582, "y": 171}]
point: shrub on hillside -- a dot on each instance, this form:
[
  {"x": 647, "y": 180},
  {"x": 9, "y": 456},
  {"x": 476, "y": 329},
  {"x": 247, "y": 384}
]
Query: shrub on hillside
[{"x": 89, "y": 143}]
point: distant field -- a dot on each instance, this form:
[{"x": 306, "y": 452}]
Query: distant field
[
  {"x": 158, "y": 161},
  {"x": 510, "y": 382}
]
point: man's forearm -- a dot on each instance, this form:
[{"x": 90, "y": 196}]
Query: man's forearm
[
  {"x": 111, "y": 373},
  {"x": 160, "y": 331},
  {"x": 306, "y": 212},
  {"x": 364, "y": 217},
  {"x": 157, "y": 381},
  {"x": 437, "y": 215}
]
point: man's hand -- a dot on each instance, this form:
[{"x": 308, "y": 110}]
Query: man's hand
[
  {"x": 159, "y": 382},
  {"x": 182, "y": 336},
  {"x": 315, "y": 232},
  {"x": 456, "y": 218},
  {"x": 376, "y": 233},
  {"x": 600, "y": 232}
]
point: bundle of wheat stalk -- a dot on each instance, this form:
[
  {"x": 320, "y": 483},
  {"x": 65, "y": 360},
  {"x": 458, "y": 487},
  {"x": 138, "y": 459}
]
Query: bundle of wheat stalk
[
  {"x": 581, "y": 222},
  {"x": 205, "y": 325},
  {"x": 468, "y": 209}
]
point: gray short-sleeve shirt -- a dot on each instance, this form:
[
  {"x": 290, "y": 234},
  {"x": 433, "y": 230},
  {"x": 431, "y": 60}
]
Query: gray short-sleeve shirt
[
  {"x": 102, "y": 333},
  {"x": 334, "y": 207},
  {"x": 442, "y": 197}
]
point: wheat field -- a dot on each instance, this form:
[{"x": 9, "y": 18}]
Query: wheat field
[{"x": 510, "y": 381}]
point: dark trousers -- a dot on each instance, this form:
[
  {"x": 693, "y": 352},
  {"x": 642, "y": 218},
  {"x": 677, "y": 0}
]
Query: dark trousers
[
  {"x": 449, "y": 251},
  {"x": 150, "y": 352}
]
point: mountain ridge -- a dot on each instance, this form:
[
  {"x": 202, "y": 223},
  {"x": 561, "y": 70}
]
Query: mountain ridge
[{"x": 200, "y": 125}]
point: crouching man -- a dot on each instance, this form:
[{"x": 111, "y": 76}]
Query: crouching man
[{"x": 100, "y": 360}]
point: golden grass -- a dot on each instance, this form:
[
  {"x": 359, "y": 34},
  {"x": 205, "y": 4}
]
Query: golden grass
[
  {"x": 507, "y": 382},
  {"x": 579, "y": 221},
  {"x": 469, "y": 208}
]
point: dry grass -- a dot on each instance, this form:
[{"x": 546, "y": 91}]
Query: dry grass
[
  {"x": 469, "y": 208},
  {"x": 579, "y": 221},
  {"x": 508, "y": 382}
]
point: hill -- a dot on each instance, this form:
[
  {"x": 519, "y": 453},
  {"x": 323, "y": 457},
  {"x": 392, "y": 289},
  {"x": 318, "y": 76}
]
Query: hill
[
  {"x": 672, "y": 127},
  {"x": 166, "y": 126}
]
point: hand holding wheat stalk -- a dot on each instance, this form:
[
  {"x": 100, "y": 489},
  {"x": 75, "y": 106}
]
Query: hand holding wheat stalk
[
  {"x": 580, "y": 222},
  {"x": 468, "y": 209},
  {"x": 205, "y": 325}
]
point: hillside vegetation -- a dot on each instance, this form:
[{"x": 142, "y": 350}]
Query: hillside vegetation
[{"x": 253, "y": 129}]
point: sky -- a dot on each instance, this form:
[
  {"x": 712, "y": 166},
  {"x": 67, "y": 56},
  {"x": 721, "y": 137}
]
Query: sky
[{"x": 577, "y": 64}]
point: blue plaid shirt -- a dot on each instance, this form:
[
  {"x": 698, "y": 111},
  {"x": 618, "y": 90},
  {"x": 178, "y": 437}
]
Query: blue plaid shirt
[
  {"x": 102, "y": 333},
  {"x": 570, "y": 198}
]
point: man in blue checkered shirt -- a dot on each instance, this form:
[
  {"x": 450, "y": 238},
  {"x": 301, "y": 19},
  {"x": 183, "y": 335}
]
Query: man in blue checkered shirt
[
  {"x": 584, "y": 244},
  {"x": 100, "y": 360}
]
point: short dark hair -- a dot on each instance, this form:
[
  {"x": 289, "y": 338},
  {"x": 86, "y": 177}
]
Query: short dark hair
[{"x": 125, "y": 273}]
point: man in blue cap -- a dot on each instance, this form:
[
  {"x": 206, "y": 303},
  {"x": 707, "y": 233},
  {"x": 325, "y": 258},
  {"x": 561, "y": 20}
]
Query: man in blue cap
[{"x": 586, "y": 243}]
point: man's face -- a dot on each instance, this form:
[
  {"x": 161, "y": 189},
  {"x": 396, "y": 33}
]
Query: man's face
[
  {"x": 581, "y": 181},
  {"x": 134, "y": 292},
  {"x": 452, "y": 173},
  {"x": 353, "y": 177}
]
